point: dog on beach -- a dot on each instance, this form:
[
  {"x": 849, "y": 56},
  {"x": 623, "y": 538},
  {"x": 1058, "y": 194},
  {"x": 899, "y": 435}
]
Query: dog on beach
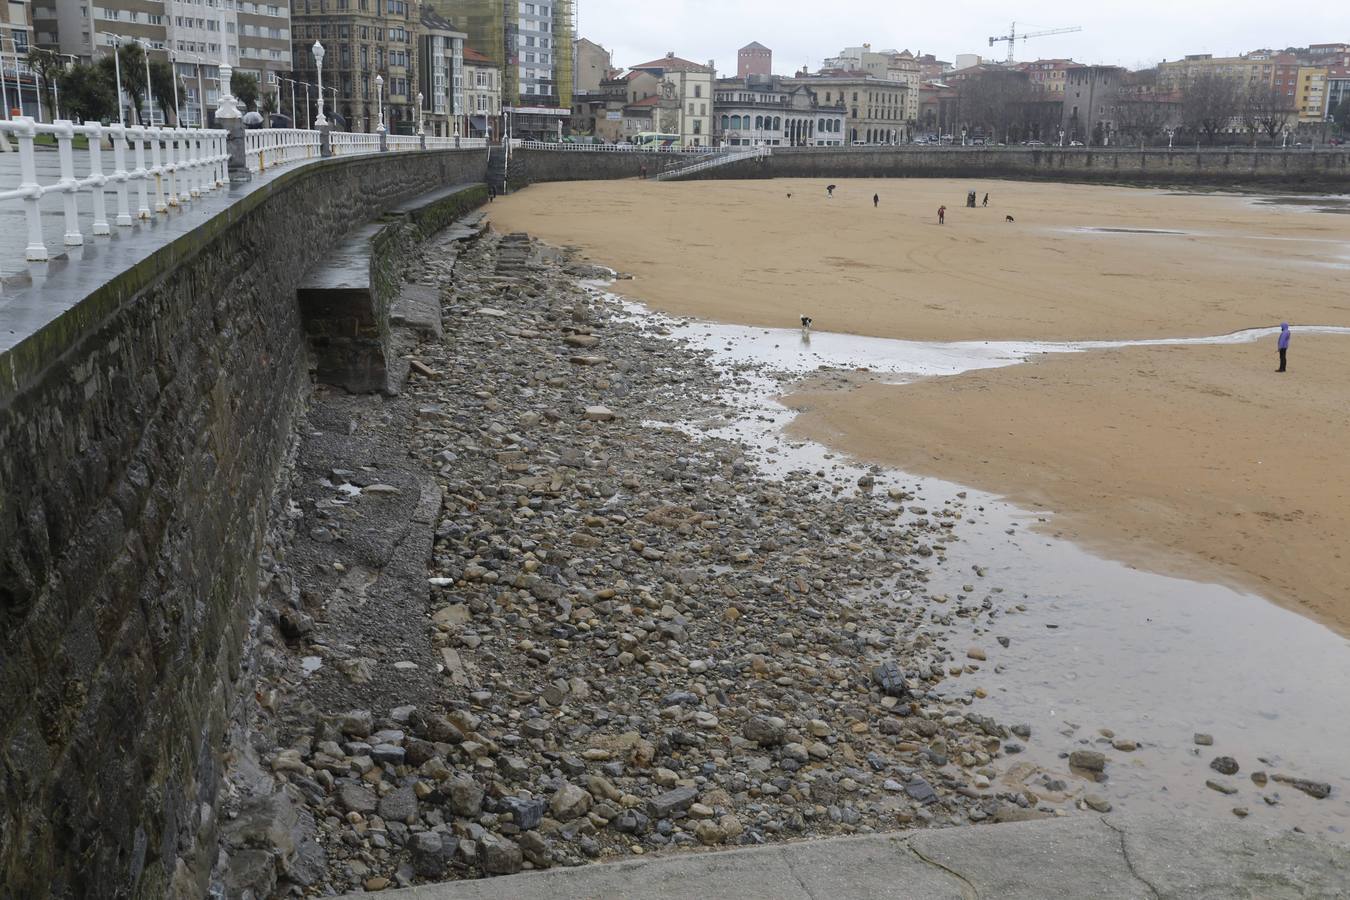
[
  {"x": 1008, "y": 219},
  {"x": 806, "y": 323}
]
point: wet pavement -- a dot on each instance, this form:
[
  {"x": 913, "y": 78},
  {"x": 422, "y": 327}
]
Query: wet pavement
[{"x": 1097, "y": 644}]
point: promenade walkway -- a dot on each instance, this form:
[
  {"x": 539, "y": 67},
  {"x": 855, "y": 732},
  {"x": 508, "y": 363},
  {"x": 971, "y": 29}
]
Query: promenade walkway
[{"x": 1079, "y": 857}]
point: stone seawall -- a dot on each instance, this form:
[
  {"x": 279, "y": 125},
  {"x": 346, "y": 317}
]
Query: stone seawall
[
  {"x": 1298, "y": 169},
  {"x": 1324, "y": 170},
  {"x": 142, "y": 432}
]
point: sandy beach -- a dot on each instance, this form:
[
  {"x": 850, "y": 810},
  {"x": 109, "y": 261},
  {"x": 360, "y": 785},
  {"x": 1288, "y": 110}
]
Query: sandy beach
[{"x": 1191, "y": 460}]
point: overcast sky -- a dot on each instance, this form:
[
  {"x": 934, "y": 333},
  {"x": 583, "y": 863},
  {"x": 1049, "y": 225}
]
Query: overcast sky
[{"x": 1137, "y": 33}]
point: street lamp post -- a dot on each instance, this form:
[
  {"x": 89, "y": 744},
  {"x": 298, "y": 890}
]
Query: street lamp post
[
  {"x": 420, "y": 129},
  {"x": 317, "y": 50},
  {"x": 149, "y": 95},
  {"x": 379, "y": 104},
  {"x": 117, "y": 70}
]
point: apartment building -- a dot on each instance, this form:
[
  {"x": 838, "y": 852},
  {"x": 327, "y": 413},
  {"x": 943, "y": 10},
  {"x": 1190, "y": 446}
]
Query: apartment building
[
  {"x": 530, "y": 42},
  {"x": 759, "y": 110},
  {"x": 363, "y": 40},
  {"x": 482, "y": 93},
  {"x": 441, "y": 75}
]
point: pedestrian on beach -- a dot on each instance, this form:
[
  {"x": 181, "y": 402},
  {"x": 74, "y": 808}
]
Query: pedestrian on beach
[
  {"x": 876, "y": 200},
  {"x": 942, "y": 215},
  {"x": 1283, "y": 344},
  {"x": 829, "y": 190},
  {"x": 492, "y": 192},
  {"x": 986, "y": 198},
  {"x": 642, "y": 172}
]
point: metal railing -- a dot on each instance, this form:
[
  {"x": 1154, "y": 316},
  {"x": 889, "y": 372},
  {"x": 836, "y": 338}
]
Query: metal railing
[
  {"x": 712, "y": 163},
  {"x": 268, "y": 147},
  {"x": 518, "y": 144},
  {"x": 167, "y": 167}
]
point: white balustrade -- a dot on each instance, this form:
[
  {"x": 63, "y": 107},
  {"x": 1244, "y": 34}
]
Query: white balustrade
[
  {"x": 167, "y": 168},
  {"x": 268, "y": 147},
  {"x": 193, "y": 162},
  {"x": 518, "y": 144}
]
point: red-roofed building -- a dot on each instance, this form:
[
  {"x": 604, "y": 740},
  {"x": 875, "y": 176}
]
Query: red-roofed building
[{"x": 685, "y": 97}]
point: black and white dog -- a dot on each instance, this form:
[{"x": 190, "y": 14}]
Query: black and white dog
[
  {"x": 806, "y": 323},
  {"x": 1009, "y": 219}
]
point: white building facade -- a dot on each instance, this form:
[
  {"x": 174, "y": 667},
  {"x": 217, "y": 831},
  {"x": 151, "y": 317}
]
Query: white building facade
[{"x": 761, "y": 110}]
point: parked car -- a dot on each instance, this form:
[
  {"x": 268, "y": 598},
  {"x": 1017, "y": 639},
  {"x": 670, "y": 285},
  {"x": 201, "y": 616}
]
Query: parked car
[
  {"x": 1035, "y": 143},
  {"x": 1075, "y": 143},
  {"x": 977, "y": 142}
]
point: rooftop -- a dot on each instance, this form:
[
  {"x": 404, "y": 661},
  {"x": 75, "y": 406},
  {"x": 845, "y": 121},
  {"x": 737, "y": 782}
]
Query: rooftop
[{"x": 672, "y": 63}]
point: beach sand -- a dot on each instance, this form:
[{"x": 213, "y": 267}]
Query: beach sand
[{"x": 1195, "y": 460}]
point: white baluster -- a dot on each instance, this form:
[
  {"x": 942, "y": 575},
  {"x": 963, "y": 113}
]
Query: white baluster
[
  {"x": 120, "y": 174},
  {"x": 36, "y": 250},
  {"x": 95, "y": 136},
  {"x": 156, "y": 169},
  {"x": 187, "y": 165},
  {"x": 64, "y": 136},
  {"x": 142, "y": 173}
]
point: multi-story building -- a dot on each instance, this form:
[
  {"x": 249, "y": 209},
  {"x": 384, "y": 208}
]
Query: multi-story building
[
  {"x": 482, "y": 94},
  {"x": 363, "y": 40},
  {"x": 754, "y": 59},
  {"x": 441, "y": 75},
  {"x": 888, "y": 65},
  {"x": 877, "y": 109},
  {"x": 1310, "y": 95},
  {"x": 1251, "y": 69},
  {"x": 762, "y": 110},
  {"x": 194, "y": 36},
  {"x": 1047, "y": 76},
  {"x": 532, "y": 45},
  {"x": 684, "y": 98},
  {"x": 591, "y": 66},
  {"x": 1090, "y": 104},
  {"x": 16, "y": 37},
  {"x": 1338, "y": 88}
]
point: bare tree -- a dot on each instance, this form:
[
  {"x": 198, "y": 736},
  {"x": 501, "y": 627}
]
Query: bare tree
[
  {"x": 1266, "y": 110},
  {"x": 994, "y": 101},
  {"x": 1209, "y": 103}
]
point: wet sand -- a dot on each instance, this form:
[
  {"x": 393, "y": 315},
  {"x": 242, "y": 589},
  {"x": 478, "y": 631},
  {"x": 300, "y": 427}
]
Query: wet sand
[
  {"x": 1191, "y": 460},
  {"x": 1197, "y": 461},
  {"x": 742, "y": 252}
]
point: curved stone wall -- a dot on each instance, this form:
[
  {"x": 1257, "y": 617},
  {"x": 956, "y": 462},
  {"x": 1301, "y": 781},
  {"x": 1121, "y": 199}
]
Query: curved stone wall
[{"x": 143, "y": 429}]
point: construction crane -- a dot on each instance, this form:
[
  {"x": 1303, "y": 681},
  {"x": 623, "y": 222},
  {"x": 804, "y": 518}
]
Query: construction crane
[{"x": 1012, "y": 36}]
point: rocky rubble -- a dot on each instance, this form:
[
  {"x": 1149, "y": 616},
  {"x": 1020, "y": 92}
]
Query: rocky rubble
[{"x": 640, "y": 642}]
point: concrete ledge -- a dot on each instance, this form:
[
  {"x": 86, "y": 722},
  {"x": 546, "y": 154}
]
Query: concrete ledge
[
  {"x": 1087, "y": 857},
  {"x": 347, "y": 299}
]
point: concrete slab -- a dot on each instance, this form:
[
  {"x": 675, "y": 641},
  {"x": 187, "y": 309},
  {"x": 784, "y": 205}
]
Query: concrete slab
[{"x": 1081, "y": 857}]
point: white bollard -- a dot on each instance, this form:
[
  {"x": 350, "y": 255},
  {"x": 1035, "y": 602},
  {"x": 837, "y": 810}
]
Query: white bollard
[
  {"x": 97, "y": 179},
  {"x": 65, "y": 134},
  {"x": 142, "y": 174},
  {"x": 36, "y": 250},
  {"x": 120, "y": 174},
  {"x": 186, "y": 164}
]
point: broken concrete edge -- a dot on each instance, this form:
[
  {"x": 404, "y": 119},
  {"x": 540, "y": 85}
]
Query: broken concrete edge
[
  {"x": 1080, "y": 856},
  {"x": 349, "y": 327}
]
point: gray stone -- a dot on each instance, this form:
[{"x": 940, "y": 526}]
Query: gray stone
[
  {"x": 672, "y": 801},
  {"x": 1224, "y": 765},
  {"x": 357, "y": 798},
  {"x": 429, "y": 858},
  {"x": 767, "y": 731},
  {"x": 399, "y": 806},
  {"x": 568, "y": 802},
  {"x": 358, "y": 723},
  {"x": 1088, "y": 760},
  {"x": 466, "y": 796},
  {"x": 500, "y": 856},
  {"x": 526, "y": 812},
  {"x": 1317, "y": 789}
]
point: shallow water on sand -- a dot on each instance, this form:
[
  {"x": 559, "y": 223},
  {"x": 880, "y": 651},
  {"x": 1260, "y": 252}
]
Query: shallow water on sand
[{"x": 1100, "y": 645}]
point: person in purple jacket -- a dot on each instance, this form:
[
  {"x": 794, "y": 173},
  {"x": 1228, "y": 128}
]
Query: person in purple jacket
[{"x": 1283, "y": 344}]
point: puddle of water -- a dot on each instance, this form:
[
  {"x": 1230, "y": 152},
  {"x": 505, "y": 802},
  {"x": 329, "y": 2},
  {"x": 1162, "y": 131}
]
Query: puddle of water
[
  {"x": 1130, "y": 231},
  {"x": 1333, "y": 203},
  {"x": 1100, "y": 645}
]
